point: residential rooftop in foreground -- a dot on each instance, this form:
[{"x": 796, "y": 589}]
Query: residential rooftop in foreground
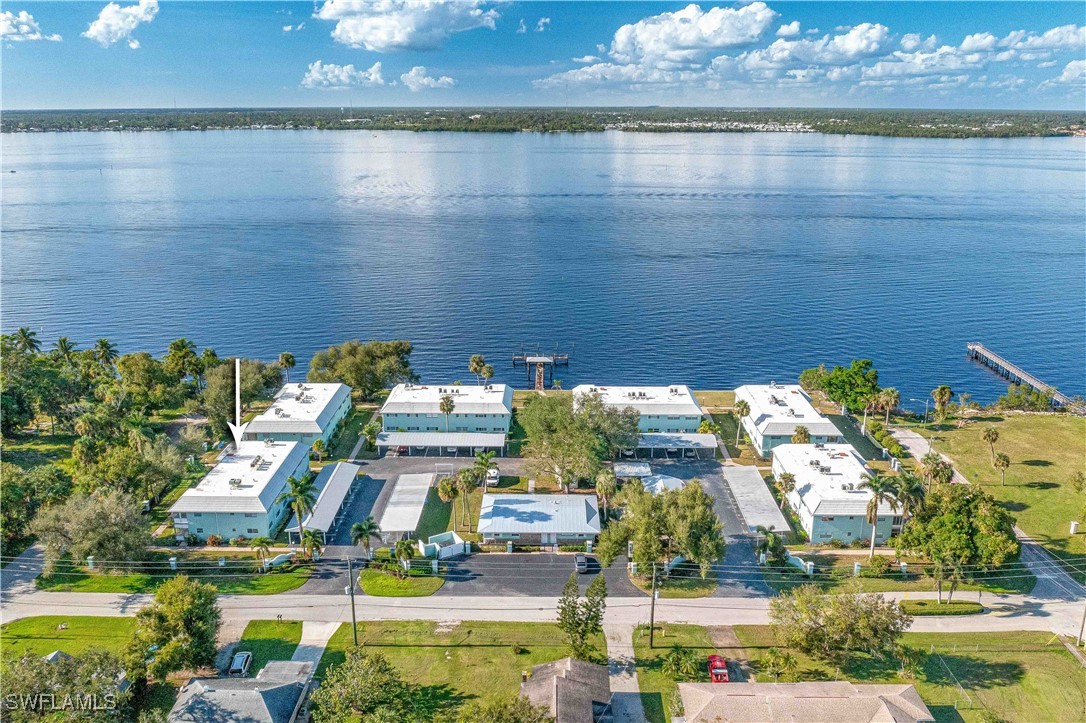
[
  {"x": 241, "y": 481},
  {"x": 674, "y": 399},
  {"x": 828, "y": 477},
  {"x": 839, "y": 701},
  {"x": 468, "y": 398}
]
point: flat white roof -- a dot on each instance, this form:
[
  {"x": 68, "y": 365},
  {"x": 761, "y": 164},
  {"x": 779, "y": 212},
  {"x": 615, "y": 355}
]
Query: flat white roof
[
  {"x": 468, "y": 398},
  {"x": 632, "y": 469},
  {"x": 489, "y": 440},
  {"x": 517, "y": 514},
  {"x": 828, "y": 478},
  {"x": 404, "y": 507},
  {"x": 301, "y": 408},
  {"x": 247, "y": 480},
  {"x": 755, "y": 501},
  {"x": 777, "y": 409},
  {"x": 677, "y": 440},
  {"x": 658, "y": 484},
  {"x": 672, "y": 400},
  {"x": 333, "y": 483}
]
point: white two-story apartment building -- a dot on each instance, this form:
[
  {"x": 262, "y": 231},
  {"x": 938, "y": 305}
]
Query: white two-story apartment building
[
  {"x": 412, "y": 421},
  {"x": 670, "y": 409},
  {"x": 238, "y": 496},
  {"x": 775, "y": 412},
  {"x": 827, "y": 495},
  {"x": 303, "y": 412}
]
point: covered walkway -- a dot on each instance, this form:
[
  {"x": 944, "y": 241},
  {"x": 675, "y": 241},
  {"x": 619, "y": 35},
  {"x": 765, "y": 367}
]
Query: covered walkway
[
  {"x": 401, "y": 515},
  {"x": 440, "y": 444},
  {"x": 335, "y": 485},
  {"x": 756, "y": 504},
  {"x": 677, "y": 445}
]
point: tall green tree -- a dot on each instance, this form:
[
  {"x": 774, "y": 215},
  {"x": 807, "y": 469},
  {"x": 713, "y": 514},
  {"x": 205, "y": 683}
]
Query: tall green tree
[
  {"x": 365, "y": 685},
  {"x": 853, "y": 384},
  {"x": 580, "y": 619},
  {"x": 910, "y": 492},
  {"x": 65, "y": 349},
  {"x": 447, "y": 491},
  {"x": 286, "y": 363},
  {"x": 560, "y": 445},
  {"x": 476, "y": 364},
  {"x": 801, "y": 435},
  {"x": 1002, "y": 462},
  {"x": 942, "y": 395},
  {"x": 883, "y": 494},
  {"x": 606, "y": 488},
  {"x": 110, "y": 527},
  {"x": 258, "y": 381},
  {"x": 487, "y": 373},
  {"x": 959, "y": 527},
  {"x": 27, "y": 340},
  {"x": 889, "y": 399},
  {"x": 615, "y": 428},
  {"x": 991, "y": 436},
  {"x": 105, "y": 352},
  {"x": 90, "y": 675},
  {"x": 785, "y": 482},
  {"x": 362, "y": 533},
  {"x": 465, "y": 484},
  {"x": 507, "y": 709},
  {"x": 177, "y": 631},
  {"x": 262, "y": 546},
  {"x": 181, "y": 359},
  {"x": 447, "y": 407},
  {"x": 692, "y": 526},
  {"x": 367, "y": 367},
  {"x": 301, "y": 496}
]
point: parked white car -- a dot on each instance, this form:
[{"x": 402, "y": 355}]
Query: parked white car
[{"x": 492, "y": 477}]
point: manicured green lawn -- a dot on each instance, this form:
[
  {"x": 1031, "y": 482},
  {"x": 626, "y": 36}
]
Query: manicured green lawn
[
  {"x": 161, "y": 512},
  {"x": 934, "y": 607},
  {"x": 455, "y": 663},
  {"x": 851, "y": 433},
  {"x": 270, "y": 640},
  {"x": 41, "y": 636},
  {"x": 678, "y": 587},
  {"x": 1017, "y": 676},
  {"x": 834, "y": 574},
  {"x": 714, "y": 399},
  {"x": 437, "y": 516},
  {"x": 744, "y": 453},
  {"x": 659, "y": 690},
  {"x": 383, "y": 584},
  {"x": 1045, "y": 450},
  {"x": 33, "y": 450},
  {"x": 343, "y": 443},
  {"x": 203, "y": 565}
]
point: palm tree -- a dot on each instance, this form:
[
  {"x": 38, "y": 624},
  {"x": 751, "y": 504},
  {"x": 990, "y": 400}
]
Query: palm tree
[
  {"x": 448, "y": 492},
  {"x": 262, "y": 545},
  {"x": 361, "y": 532},
  {"x": 138, "y": 430},
  {"x": 476, "y": 364},
  {"x": 301, "y": 495},
  {"x": 991, "y": 436},
  {"x": 1002, "y": 462},
  {"x": 680, "y": 663},
  {"x": 465, "y": 483},
  {"x": 405, "y": 550},
  {"x": 785, "y": 482},
  {"x": 742, "y": 409},
  {"x": 801, "y": 435},
  {"x": 447, "y": 407},
  {"x": 27, "y": 340},
  {"x": 889, "y": 399},
  {"x": 286, "y": 363},
  {"x": 882, "y": 490},
  {"x": 65, "y": 349},
  {"x": 483, "y": 463},
  {"x": 942, "y": 395},
  {"x": 606, "y": 487},
  {"x": 779, "y": 663},
  {"x": 318, "y": 449},
  {"x": 556, "y": 385},
  {"x": 487, "y": 373},
  {"x": 312, "y": 544},
  {"x": 910, "y": 492},
  {"x": 105, "y": 352}
]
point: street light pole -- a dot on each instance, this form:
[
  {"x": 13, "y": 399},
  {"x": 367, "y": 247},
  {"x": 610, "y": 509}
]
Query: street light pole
[
  {"x": 350, "y": 591},
  {"x": 652, "y": 608},
  {"x": 1082, "y": 627}
]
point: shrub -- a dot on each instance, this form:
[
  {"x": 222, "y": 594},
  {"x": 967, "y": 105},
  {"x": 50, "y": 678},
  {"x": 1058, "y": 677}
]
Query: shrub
[
  {"x": 836, "y": 544},
  {"x": 518, "y": 649},
  {"x": 214, "y": 540},
  {"x": 860, "y": 544},
  {"x": 879, "y": 565},
  {"x": 240, "y": 541},
  {"x": 933, "y": 607}
]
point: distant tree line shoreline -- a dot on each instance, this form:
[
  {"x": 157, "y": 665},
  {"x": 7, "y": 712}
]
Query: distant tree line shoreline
[{"x": 894, "y": 122}]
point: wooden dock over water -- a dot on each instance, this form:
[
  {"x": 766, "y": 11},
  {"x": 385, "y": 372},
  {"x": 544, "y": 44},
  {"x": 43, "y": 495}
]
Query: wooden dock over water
[{"x": 1017, "y": 375}]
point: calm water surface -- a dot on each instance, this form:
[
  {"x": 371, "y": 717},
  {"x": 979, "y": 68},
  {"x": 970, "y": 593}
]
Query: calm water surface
[{"x": 712, "y": 260}]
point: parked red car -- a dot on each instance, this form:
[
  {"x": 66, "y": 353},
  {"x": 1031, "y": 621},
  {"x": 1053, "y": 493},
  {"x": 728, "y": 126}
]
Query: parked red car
[{"x": 718, "y": 669}]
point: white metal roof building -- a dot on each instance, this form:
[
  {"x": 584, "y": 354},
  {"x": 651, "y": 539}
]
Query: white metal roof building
[
  {"x": 539, "y": 519},
  {"x": 417, "y": 408},
  {"x": 827, "y": 495},
  {"x": 756, "y": 504},
  {"x": 662, "y": 409},
  {"x": 672, "y": 444},
  {"x": 303, "y": 412},
  {"x": 403, "y": 509},
  {"x": 775, "y": 412},
  {"x": 334, "y": 484},
  {"x": 237, "y": 497},
  {"x": 439, "y": 444},
  {"x": 658, "y": 484}
]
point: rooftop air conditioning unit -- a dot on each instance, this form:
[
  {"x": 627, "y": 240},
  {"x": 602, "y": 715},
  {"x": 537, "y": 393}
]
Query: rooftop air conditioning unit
[
  {"x": 301, "y": 385},
  {"x": 235, "y": 484},
  {"x": 773, "y": 384}
]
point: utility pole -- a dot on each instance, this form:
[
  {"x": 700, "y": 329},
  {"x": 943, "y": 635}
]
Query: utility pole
[
  {"x": 1082, "y": 627},
  {"x": 350, "y": 591},
  {"x": 652, "y": 608}
]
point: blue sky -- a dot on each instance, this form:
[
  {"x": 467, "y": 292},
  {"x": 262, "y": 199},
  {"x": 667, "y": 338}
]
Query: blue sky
[{"x": 148, "y": 54}]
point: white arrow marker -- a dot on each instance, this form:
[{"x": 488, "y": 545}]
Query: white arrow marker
[{"x": 237, "y": 428}]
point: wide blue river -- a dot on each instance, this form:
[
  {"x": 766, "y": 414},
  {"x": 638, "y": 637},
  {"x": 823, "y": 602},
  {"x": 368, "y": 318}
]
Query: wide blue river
[{"x": 707, "y": 259}]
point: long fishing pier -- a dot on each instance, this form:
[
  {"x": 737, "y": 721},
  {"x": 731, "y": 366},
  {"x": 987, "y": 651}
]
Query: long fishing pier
[{"x": 1016, "y": 374}]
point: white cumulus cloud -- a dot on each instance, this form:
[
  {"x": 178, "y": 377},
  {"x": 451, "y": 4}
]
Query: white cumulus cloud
[
  {"x": 22, "y": 26},
  {"x": 388, "y": 25},
  {"x": 585, "y": 59},
  {"x": 340, "y": 77},
  {"x": 116, "y": 23},
  {"x": 416, "y": 80},
  {"x": 522, "y": 27},
  {"x": 788, "y": 31},
  {"x": 541, "y": 24},
  {"x": 293, "y": 28}
]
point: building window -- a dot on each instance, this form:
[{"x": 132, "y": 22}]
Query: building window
[
  {"x": 252, "y": 530},
  {"x": 199, "y": 529},
  {"x": 250, "y": 514},
  {"x": 197, "y": 514}
]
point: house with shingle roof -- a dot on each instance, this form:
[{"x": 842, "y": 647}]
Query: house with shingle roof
[{"x": 837, "y": 701}]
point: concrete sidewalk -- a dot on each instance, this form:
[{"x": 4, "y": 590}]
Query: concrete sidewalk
[{"x": 625, "y": 691}]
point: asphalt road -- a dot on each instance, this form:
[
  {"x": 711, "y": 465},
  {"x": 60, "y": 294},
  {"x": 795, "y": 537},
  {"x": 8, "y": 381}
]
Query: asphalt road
[{"x": 530, "y": 574}]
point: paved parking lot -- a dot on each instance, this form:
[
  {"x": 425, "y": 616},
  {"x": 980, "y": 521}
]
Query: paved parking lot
[{"x": 529, "y": 573}]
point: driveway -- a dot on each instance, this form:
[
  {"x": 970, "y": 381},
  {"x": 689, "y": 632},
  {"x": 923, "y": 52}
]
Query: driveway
[{"x": 529, "y": 574}]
